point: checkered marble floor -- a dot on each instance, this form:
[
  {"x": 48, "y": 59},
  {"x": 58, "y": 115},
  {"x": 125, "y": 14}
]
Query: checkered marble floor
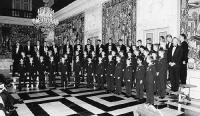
[{"x": 90, "y": 102}]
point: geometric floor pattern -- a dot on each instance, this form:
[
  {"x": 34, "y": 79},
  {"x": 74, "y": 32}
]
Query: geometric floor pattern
[{"x": 89, "y": 102}]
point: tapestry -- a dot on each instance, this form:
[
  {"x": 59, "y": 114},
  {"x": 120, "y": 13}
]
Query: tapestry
[
  {"x": 190, "y": 25},
  {"x": 119, "y": 21},
  {"x": 11, "y": 33},
  {"x": 70, "y": 29}
]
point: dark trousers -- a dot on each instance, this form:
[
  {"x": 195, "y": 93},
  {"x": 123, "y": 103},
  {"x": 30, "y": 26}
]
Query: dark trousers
[
  {"x": 112, "y": 83},
  {"x": 89, "y": 80},
  {"x": 41, "y": 80},
  {"x": 161, "y": 81},
  {"x": 128, "y": 88},
  {"x": 22, "y": 79},
  {"x": 15, "y": 67},
  {"x": 63, "y": 80},
  {"x": 32, "y": 79},
  {"x": 183, "y": 73},
  {"x": 174, "y": 78},
  {"x": 139, "y": 89},
  {"x": 108, "y": 81},
  {"x": 77, "y": 79},
  {"x": 118, "y": 87},
  {"x": 100, "y": 82},
  {"x": 52, "y": 80},
  {"x": 150, "y": 93},
  {"x": 68, "y": 76}
]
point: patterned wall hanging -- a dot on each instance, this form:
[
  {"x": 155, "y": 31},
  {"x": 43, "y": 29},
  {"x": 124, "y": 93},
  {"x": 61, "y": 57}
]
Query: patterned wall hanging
[
  {"x": 21, "y": 33},
  {"x": 70, "y": 29},
  {"x": 190, "y": 25},
  {"x": 119, "y": 21}
]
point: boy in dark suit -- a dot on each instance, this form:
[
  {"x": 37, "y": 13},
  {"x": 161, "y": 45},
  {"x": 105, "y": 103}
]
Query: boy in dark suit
[
  {"x": 42, "y": 70},
  {"x": 22, "y": 72},
  {"x": 94, "y": 62},
  {"x": 68, "y": 64},
  {"x": 128, "y": 78},
  {"x": 110, "y": 72},
  {"x": 63, "y": 72},
  {"x": 90, "y": 73},
  {"x": 162, "y": 74},
  {"x": 140, "y": 76},
  {"x": 150, "y": 77},
  {"x": 84, "y": 64},
  {"x": 105, "y": 63},
  {"x": 52, "y": 72},
  {"x": 114, "y": 57},
  {"x": 118, "y": 75},
  {"x": 155, "y": 63},
  {"x": 100, "y": 73},
  {"x": 77, "y": 71},
  {"x": 31, "y": 72}
]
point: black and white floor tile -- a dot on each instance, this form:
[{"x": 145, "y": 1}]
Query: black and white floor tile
[{"x": 90, "y": 102}]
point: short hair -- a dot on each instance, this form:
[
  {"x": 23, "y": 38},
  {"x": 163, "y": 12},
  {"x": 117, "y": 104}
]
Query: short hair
[
  {"x": 88, "y": 39},
  {"x": 139, "y": 40},
  {"x": 161, "y": 51},
  {"x": 170, "y": 36},
  {"x": 99, "y": 40},
  {"x": 184, "y": 36},
  {"x": 140, "y": 58},
  {"x": 157, "y": 45},
  {"x": 162, "y": 37},
  {"x": 118, "y": 56},
  {"x": 150, "y": 57},
  {"x": 120, "y": 40}
]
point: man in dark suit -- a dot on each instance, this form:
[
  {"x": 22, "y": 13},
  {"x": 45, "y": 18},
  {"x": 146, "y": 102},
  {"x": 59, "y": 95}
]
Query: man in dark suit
[
  {"x": 175, "y": 59},
  {"x": 28, "y": 49},
  {"x": 52, "y": 72},
  {"x": 44, "y": 49},
  {"x": 122, "y": 46},
  {"x": 76, "y": 46},
  {"x": 89, "y": 47},
  {"x": 98, "y": 46},
  {"x": 16, "y": 55},
  {"x": 39, "y": 47},
  {"x": 66, "y": 47},
  {"x": 169, "y": 47},
  {"x": 113, "y": 47},
  {"x": 184, "y": 46}
]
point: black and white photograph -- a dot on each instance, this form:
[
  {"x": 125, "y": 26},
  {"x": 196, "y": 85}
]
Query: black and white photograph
[{"x": 99, "y": 57}]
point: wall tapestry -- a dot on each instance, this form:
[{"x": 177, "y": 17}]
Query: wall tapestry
[
  {"x": 70, "y": 29},
  {"x": 11, "y": 33},
  {"x": 190, "y": 25},
  {"x": 119, "y": 21}
]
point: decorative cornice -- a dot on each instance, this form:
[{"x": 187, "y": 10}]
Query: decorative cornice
[{"x": 76, "y": 7}]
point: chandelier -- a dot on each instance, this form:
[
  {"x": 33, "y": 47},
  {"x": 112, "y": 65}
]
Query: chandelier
[{"x": 45, "y": 20}]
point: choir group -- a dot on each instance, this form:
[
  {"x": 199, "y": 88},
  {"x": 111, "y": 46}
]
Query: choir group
[{"x": 145, "y": 68}]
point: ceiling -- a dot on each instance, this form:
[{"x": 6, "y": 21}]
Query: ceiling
[{"x": 59, "y": 4}]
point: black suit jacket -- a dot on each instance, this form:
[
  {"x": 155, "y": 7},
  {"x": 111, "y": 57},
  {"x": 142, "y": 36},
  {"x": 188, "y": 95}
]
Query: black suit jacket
[
  {"x": 169, "y": 51},
  {"x": 16, "y": 55},
  {"x": 98, "y": 48},
  {"x": 113, "y": 47},
  {"x": 29, "y": 51},
  {"x": 91, "y": 47},
  {"x": 65, "y": 49},
  {"x": 184, "y": 46},
  {"x": 177, "y": 56}
]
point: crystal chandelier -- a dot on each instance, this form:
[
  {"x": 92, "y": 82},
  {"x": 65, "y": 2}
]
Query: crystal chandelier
[{"x": 44, "y": 19}]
